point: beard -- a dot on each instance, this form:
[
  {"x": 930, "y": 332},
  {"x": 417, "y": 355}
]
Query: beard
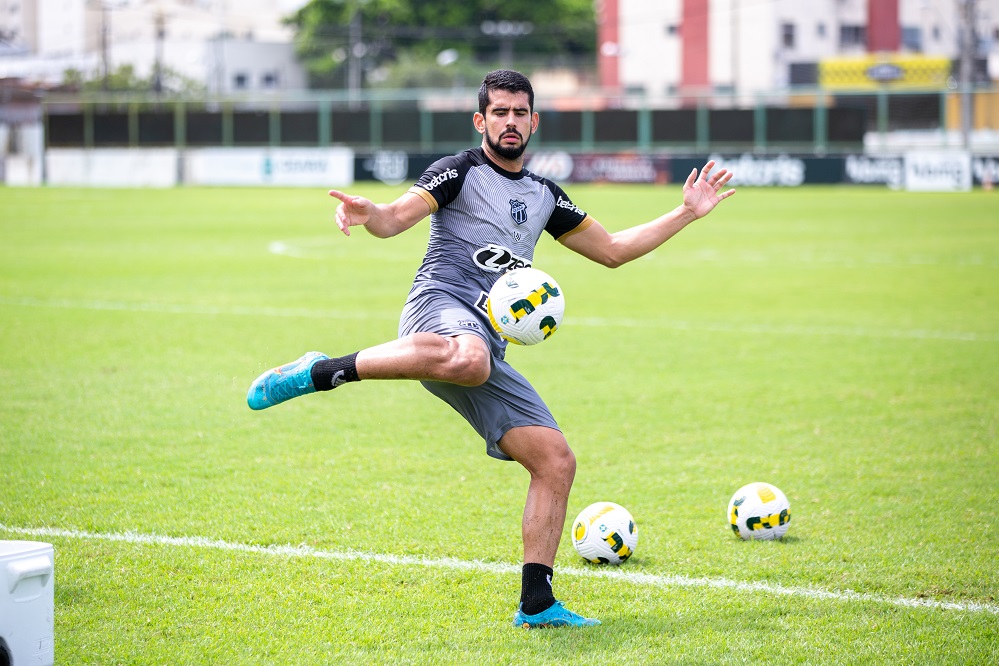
[{"x": 508, "y": 152}]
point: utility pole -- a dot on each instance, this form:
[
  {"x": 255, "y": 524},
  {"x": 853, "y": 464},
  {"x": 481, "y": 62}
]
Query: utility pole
[
  {"x": 356, "y": 53},
  {"x": 734, "y": 16},
  {"x": 160, "y": 28},
  {"x": 968, "y": 44},
  {"x": 218, "y": 74},
  {"x": 105, "y": 30}
]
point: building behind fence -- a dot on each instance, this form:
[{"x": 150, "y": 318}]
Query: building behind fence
[{"x": 677, "y": 79}]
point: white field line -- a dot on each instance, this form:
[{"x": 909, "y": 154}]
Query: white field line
[
  {"x": 791, "y": 329},
  {"x": 324, "y": 247},
  {"x": 618, "y": 575},
  {"x": 601, "y": 322}
]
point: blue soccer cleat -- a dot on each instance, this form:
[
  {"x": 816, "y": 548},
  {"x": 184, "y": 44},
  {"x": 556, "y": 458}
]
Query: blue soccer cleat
[
  {"x": 556, "y": 616},
  {"x": 284, "y": 382}
]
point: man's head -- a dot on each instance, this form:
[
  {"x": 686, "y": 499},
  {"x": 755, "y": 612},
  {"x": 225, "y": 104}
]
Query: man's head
[
  {"x": 504, "y": 79},
  {"x": 506, "y": 117}
]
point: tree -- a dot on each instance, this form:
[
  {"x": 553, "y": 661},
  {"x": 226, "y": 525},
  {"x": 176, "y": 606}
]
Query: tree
[
  {"x": 338, "y": 40},
  {"x": 124, "y": 79}
]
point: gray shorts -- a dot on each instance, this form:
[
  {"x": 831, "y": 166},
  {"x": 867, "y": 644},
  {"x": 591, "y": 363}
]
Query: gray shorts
[{"x": 506, "y": 400}]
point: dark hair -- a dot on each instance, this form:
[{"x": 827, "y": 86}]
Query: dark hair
[{"x": 508, "y": 80}]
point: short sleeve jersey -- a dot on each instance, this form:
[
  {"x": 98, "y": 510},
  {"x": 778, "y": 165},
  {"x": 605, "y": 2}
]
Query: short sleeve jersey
[{"x": 485, "y": 220}]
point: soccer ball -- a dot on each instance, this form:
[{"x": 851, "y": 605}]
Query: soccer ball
[
  {"x": 759, "y": 511},
  {"x": 525, "y": 306},
  {"x": 605, "y": 533}
]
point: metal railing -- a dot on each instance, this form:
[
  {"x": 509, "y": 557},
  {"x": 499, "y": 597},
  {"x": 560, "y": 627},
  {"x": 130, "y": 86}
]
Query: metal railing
[{"x": 809, "y": 121}]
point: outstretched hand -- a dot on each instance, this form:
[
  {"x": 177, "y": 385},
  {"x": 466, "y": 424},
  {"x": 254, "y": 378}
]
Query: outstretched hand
[
  {"x": 352, "y": 211},
  {"x": 701, "y": 192}
]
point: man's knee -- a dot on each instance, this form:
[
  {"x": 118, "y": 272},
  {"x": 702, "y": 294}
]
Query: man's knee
[
  {"x": 557, "y": 465},
  {"x": 563, "y": 461},
  {"x": 462, "y": 359},
  {"x": 542, "y": 450},
  {"x": 468, "y": 361}
]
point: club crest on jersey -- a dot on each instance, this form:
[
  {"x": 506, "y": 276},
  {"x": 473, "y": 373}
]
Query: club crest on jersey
[{"x": 518, "y": 211}]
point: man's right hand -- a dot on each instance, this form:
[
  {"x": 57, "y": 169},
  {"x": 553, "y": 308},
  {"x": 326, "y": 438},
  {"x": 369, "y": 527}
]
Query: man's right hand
[{"x": 352, "y": 211}]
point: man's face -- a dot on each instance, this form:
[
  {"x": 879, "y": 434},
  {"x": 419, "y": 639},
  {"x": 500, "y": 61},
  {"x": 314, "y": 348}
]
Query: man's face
[{"x": 508, "y": 123}]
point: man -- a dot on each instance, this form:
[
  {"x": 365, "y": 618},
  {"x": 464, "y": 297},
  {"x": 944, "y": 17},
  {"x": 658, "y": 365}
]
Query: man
[{"x": 486, "y": 215}]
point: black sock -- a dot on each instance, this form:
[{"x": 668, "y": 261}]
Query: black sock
[
  {"x": 330, "y": 373},
  {"x": 536, "y": 588}
]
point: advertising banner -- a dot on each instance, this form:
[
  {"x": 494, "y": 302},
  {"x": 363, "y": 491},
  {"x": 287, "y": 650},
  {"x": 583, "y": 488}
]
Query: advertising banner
[
  {"x": 885, "y": 71},
  {"x": 111, "y": 167},
  {"x": 292, "y": 167},
  {"x": 560, "y": 166},
  {"x": 985, "y": 170},
  {"x": 934, "y": 170},
  {"x": 867, "y": 170},
  {"x": 393, "y": 167},
  {"x": 766, "y": 170},
  {"x": 938, "y": 171}
]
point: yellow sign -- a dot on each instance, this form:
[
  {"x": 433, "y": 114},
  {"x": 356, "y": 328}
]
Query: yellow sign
[{"x": 894, "y": 71}]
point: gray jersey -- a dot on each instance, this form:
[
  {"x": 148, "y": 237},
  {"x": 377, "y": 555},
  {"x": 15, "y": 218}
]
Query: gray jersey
[{"x": 484, "y": 221}]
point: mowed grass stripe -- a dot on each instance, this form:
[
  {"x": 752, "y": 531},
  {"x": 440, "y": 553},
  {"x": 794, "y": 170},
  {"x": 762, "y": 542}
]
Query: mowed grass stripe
[
  {"x": 606, "y": 322},
  {"x": 617, "y": 575}
]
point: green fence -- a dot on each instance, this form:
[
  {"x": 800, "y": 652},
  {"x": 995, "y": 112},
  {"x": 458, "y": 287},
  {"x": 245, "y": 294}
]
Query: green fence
[{"x": 814, "y": 122}]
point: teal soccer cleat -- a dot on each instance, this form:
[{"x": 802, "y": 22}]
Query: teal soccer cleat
[
  {"x": 556, "y": 616},
  {"x": 284, "y": 382}
]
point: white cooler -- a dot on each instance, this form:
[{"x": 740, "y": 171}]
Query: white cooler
[{"x": 27, "y": 601}]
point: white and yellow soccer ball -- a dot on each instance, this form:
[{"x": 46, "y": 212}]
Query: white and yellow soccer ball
[
  {"x": 605, "y": 533},
  {"x": 525, "y": 306},
  {"x": 759, "y": 511}
]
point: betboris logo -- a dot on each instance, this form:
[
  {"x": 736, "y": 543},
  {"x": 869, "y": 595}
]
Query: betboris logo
[
  {"x": 568, "y": 205},
  {"x": 496, "y": 258},
  {"x": 443, "y": 176}
]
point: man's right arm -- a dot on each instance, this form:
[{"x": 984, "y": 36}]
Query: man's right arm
[{"x": 381, "y": 220}]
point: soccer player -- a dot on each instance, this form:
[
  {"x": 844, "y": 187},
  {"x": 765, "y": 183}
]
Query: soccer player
[{"x": 486, "y": 215}]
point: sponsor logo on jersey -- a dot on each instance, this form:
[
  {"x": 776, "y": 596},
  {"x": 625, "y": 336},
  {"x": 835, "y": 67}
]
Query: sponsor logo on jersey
[
  {"x": 483, "y": 300},
  {"x": 497, "y": 258},
  {"x": 565, "y": 203},
  {"x": 518, "y": 211},
  {"x": 442, "y": 177}
]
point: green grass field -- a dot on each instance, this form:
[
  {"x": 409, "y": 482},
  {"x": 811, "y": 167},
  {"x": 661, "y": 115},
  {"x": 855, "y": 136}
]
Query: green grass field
[{"x": 842, "y": 344}]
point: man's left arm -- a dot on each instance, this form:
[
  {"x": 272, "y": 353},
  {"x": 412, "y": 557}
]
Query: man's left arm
[{"x": 701, "y": 193}]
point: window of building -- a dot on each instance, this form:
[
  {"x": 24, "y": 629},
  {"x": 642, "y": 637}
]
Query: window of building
[
  {"x": 852, "y": 36},
  {"x": 912, "y": 39},
  {"x": 269, "y": 80},
  {"x": 803, "y": 73},
  {"x": 240, "y": 81},
  {"x": 787, "y": 35},
  {"x": 820, "y": 30}
]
